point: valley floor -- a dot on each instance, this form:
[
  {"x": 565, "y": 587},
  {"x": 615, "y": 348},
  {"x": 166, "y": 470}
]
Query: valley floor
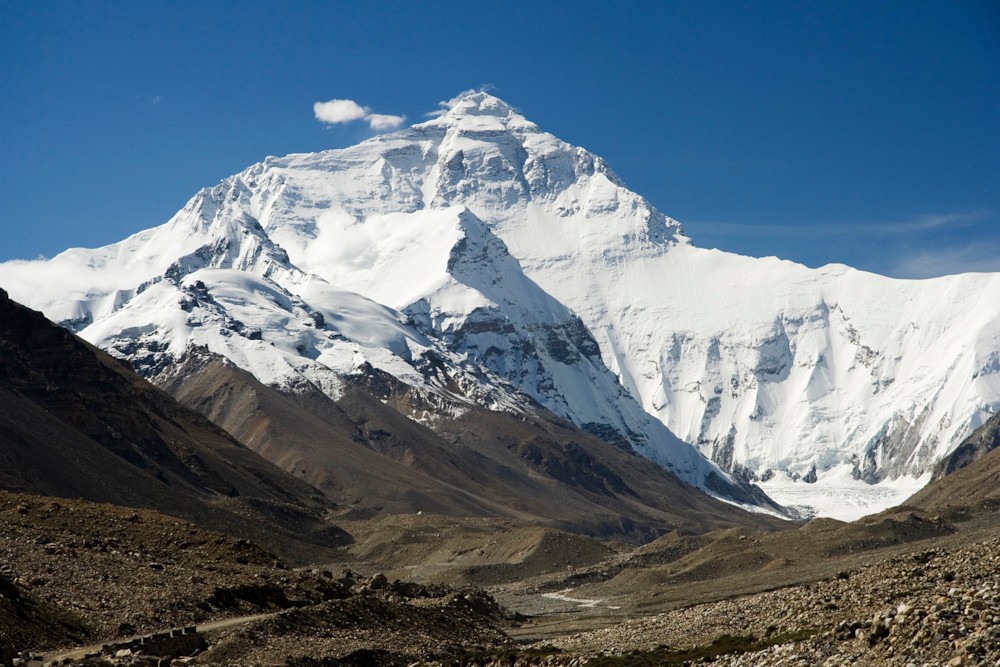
[
  {"x": 898, "y": 589},
  {"x": 934, "y": 607}
]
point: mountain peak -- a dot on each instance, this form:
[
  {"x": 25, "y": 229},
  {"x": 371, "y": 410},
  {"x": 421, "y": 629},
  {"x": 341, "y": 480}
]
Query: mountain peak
[
  {"x": 476, "y": 110},
  {"x": 478, "y": 103}
]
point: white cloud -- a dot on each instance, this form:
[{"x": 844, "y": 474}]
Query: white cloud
[
  {"x": 381, "y": 121},
  {"x": 334, "y": 112},
  {"x": 67, "y": 279},
  {"x": 339, "y": 111},
  {"x": 933, "y": 221}
]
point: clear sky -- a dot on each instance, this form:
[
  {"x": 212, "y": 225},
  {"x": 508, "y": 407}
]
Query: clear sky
[{"x": 866, "y": 133}]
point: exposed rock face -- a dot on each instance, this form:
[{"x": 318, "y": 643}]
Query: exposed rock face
[
  {"x": 983, "y": 440},
  {"x": 972, "y": 485}
]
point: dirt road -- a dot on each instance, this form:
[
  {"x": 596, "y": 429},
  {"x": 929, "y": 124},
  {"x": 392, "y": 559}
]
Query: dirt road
[{"x": 81, "y": 652}]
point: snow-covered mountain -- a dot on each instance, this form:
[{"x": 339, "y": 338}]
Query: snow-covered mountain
[{"x": 480, "y": 259}]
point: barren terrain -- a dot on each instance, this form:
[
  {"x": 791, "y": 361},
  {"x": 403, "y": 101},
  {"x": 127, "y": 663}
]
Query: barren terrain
[{"x": 900, "y": 588}]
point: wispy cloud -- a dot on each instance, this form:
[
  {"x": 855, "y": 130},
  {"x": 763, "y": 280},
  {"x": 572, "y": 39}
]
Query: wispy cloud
[
  {"x": 336, "y": 111},
  {"x": 151, "y": 100},
  {"x": 933, "y": 221},
  {"x": 921, "y": 246},
  {"x": 817, "y": 230},
  {"x": 968, "y": 258}
]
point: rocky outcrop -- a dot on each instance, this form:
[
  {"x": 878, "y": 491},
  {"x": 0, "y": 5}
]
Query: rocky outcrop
[{"x": 983, "y": 440}]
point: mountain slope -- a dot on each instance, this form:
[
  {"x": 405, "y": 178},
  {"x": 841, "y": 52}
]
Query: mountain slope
[
  {"x": 77, "y": 423},
  {"x": 478, "y": 243},
  {"x": 363, "y": 452},
  {"x": 763, "y": 364}
]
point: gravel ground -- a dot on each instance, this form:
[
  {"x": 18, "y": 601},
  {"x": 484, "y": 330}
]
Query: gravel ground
[
  {"x": 114, "y": 573},
  {"x": 936, "y": 607},
  {"x": 118, "y": 572}
]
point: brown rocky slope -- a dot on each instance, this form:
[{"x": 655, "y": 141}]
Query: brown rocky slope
[
  {"x": 368, "y": 449},
  {"x": 77, "y": 423}
]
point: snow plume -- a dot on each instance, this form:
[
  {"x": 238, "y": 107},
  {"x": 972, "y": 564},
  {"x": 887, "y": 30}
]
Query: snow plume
[
  {"x": 341, "y": 239},
  {"x": 334, "y": 112},
  {"x": 71, "y": 280}
]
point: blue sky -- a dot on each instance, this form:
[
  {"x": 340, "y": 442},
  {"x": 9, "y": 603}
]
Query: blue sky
[{"x": 866, "y": 133}]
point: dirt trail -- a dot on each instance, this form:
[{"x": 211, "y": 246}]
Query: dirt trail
[{"x": 81, "y": 652}]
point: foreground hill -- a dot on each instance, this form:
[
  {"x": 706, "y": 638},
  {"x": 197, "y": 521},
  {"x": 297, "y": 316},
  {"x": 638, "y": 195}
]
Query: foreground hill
[
  {"x": 81, "y": 424},
  {"x": 78, "y": 424},
  {"x": 73, "y": 573}
]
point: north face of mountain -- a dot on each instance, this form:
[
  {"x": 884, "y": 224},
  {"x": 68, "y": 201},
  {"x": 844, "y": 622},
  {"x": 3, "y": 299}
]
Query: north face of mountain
[
  {"x": 477, "y": 247},
  {"x": 765, "y": 365}
]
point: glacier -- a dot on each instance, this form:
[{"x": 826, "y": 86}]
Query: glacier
[{"x": 529, "y": 270}]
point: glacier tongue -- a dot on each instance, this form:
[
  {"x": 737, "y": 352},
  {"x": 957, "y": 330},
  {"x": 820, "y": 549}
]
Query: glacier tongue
[{"x": 528, "y": 266}]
